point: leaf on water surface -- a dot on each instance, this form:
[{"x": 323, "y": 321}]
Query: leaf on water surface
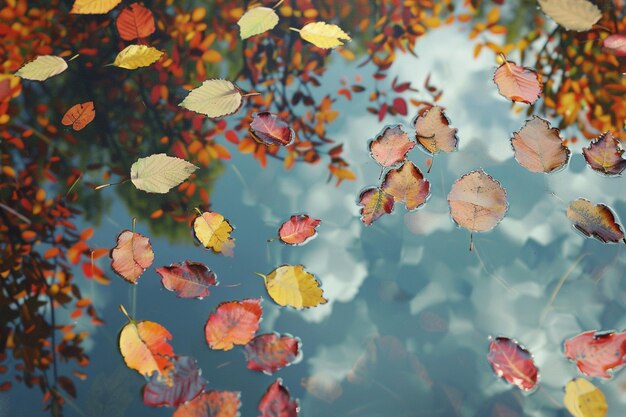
[
  {"x": 597, "y": 353},
  {"x": 596, "y": 221},
  {"x": 616, "y": 44},
  {"x": 390, "y": 146},
  {"x": 269, "y": 129},
  {"x": 323, "y": 386},
  {"x": 233, "y": 323},
  {"x": 375, "y": 203},
  {"x": 433, "y": 131},
  {"x": 270, "y": 352},
  {"x": 183, "y": 383},
  {"x": 213, "y": 231},
  {"x": 137, "y": 56},
  {"x": 42, "y": 68},
  {"x": 578, "y": 15},
  {"x": 276, "y": 402},
  {"x": 583, "y": 399},
  {"x": 131, "y": 255},
  {"x": 215, "y": 98},
  {"x": 324, "y": 35},
  {"x": 298, "y": 230},
  {"x": 211, "y": 404},
  {"x": 512, "y": 362},
  {"x": 135, "y": 22},
  {"x": 94, "y": 6},
  {"x": 477, "y": 201},
  {"x": 291, "y": 285},
  {"x": 159, "y": 173},
  {"x": 604, "y": 155},
  {"x": 538, "y": 147},
  {"x": 256, "y": 21},
  {"x": 407, "y": 184},
  {"x": 188, "y": 279},
  {"x": 518, "y": 83},
  {"x": 79, "y": 115}
]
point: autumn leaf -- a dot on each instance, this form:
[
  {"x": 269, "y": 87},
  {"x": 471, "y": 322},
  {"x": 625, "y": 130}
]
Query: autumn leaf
[
  {"x": 94, "y": 6},
  {"x": 390, "y": 146},
  {"x": 183, "y": 383},
  {"x": 79, "y": 115},
  {"x": 407, "y": 184},
  {"x": 512, "y": 362},
  {"x": 583, "y": 399},
  {"x": 131, "y": 255},
  {"x": 518, "y": 83},
  {"x": 42, "y": 68},
  {"x": 256, "y": 21},
  {"x": 276, "y": 402},
  {"x": 137, "y": 56},
  {"x": 323, "y": 386},
  {"x": 269, "y": 129},
  {"x": 211, "y": 404},
  {"x": 604, "y": 155},
  {"x": 596, "y": 221},
  {"x": 323, "y": 35},
  {"x": 597, "y": 353},
  {"x": 233, "y": 323},
  {"x": 538, "y": 147},
  {"x": 213, "y": 231},
  {"x": 270, "y": 352},
  {"x": 616, "y": 44},
  {"x": 188, "y": 279},
  {"x": 578, "y": 15},
  {"x": 298, "y": 230},
  {"x": 375, "y": 203},
  {"x": 135, "y": 22},
  {"x": 159, "y": 173},
  {"x": 214, "y": 98},
  {"x": 291, "y": 285},
  {"x": 433, "y": 131}
]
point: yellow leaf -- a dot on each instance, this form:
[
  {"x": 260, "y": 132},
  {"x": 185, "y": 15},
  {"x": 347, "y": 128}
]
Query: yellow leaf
[
  {"x": 583, "y": 399},
  {"x": 135, "y": 56},
  {"x": 323, "y": 35},
  {"x": 578, "y": 15},
  {"x": 42, "y": 68},
  {"x": 94, "y": 6},
  {"x": 214, "y": 98},
  {"x": 256, "y": 21},
  {"x": 213, "y": 231},
  {"x": 291, "y": 285}
]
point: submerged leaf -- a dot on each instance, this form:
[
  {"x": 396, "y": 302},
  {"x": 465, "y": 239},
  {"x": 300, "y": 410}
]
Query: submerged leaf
[
  {"x": 131, "y": 255},
  {"x": 79, "y": 115},
  {"x": 183, "y": 383},
  {"x": 583, "y": 399},
  {"x": 211, "y": 404},
  {"x": 375, "y": 203},
  {"x": 256, "y": 21},
  {"x": 233, "y": 323},
  {"x": 276, "y": 402},
  {"x": 597, "y": 221},
  {"x": 213, "y": 231},
  {"x": 597, "y": 353},
  {"x": 137, "y": 56},
  {"x": 270, "y": 352},
  {"x": 159, "y": 173},
  {"x": 42, "y": 68},
  {"x": 433, "y": 131},
  {"x": 291, "y": 285},
  {"x": 94, "y": 6},
  {"x": 518, "y": 83},
  {"x": 578, "y": 15},
  {"x": 298, "y": 230},
  {"x": 214, "y": 98},
  {"x": 407, "y": 184},
  {"x": 604, "y": 155},
  {"x": 538, "y": 147},
  {"x": 323, "y": 35},
  {"x": 188, "y": 279},
  {"x": 390, "y": 146},
  {"x": 269, "y": 129},
  {"x": 512, "y": 362},
  {"x": 135, "y": 22}
]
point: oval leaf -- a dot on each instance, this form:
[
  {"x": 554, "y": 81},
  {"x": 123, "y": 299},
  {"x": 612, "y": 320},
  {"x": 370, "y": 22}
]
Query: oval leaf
[
  {"x": 433, "y": 131},
  {"x": 269, "y": 129},
  {"x": 583, "y": 399},
  {"x": 213, "y": 231},
  {"x": 135, "y": 22},
  {"x": 604, "y": 155},
  {"x": 137, "y": 56},
  {"x": 538, "y": 147},
  {"x": 188, "y": 279},
  {"x": 131, "y": 255},
  {"x": 159, "y": 173},
  {"x": 512, "y": 362},
  {"x": 597, "y": 221},
  {"x": 375, "y": 203},
  {"x": 578, "y": 15},
  {"x": 616, "y": 44},
  {"x": 324, "y": 35},
  {"x": 518, "y": 83},
  {"x": 276, "y": 402},
  {"x": 233, "y": 323},
  {"x": 79, "y": 115},
  {"x": 390, "y": 146},
  {"x": 407, "y": 184},
  {"x": 214, "y": 98},
  {"x": 94, "y": 6},
  {"x": 298, "y": 230},
  {"x": 597, "y": 353},
  {"x": 256, "y": 21},
  {"x": 211, "y": 404},
  {"x": 42, "y": 68},
  {"x": 270, "y": 352},
  {"x": 291, "y": 285},
  {"x": 183, "y": 383}
]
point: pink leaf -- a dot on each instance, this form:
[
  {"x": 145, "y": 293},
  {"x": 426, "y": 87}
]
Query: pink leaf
[
  {"x": 597, "y": 353},
  {"x": 298, "y": 230},
  {"x": 391, "y": 146},
  {"x": 518, "y": 83},
  {"x": 511, "y": 361},
  {"x": 188, "y": 279}
]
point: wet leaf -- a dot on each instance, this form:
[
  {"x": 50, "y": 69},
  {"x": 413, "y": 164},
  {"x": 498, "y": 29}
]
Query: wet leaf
[
  {"x": 324, "y": 35},
  {"x": 276, "y": 402},
  {"x": 604, "y": 155},
  {"x": 477, "y": 201},
  {"x": 596, "y": 221},
  {"x": 233, "y": 323},
  {"x": 323, "y": 386},
  {"x": 159, "y": 173},
  {"x": 433, "y": 131},
  {"x": 131, "y": 255},
  {"x": 597, "y": 353},
  {"x": 375, "y": 203},
  {"x": 269, "y": 129},
  {"x": 390, "y": 146},
  {"x": 211, "y": 404},
  {"x": 213, "y": 231},
  {"x": 137, "y": 56},
  {"x": 188, "y": 279},
  {"x": 256, "y": 21},
  {"x": 270, "y": 352},
  {"x": 79, "y": 115},
  {"x": 291, "y": 285},
  {"x": 135, "y": 22},
  {"x": 42, "y": 68},
  {"x": 538, "y": 147},
  {"x": 578, "y": 15},
  {"x": 214, "y": 98},
  {"x": 94, "y": 6},
  {"x": 583, "y": 399},
  {"x": 512, "y": 362},
  {"x": 616, "y": 44},
  {"x": 298, "y": 230},
  {"x": 183, "y": 383},
  {"x": 518, "y": 83},
  {"x": 407, "y": 184}
]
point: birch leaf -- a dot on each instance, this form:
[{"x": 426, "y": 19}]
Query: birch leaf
[
  {"x": 256, "y": 21},
  {"x": 578, "y": 15},
  {"x": 291, "y": 285},
  {"x": 214, "y": 98},
  {"x": 159, "y": 173},
  {"x": 324, "y": 35},
  {"x": 518, "y": 83},
  {"x": 42, "y": 68},
  {"x": 137, "y": 56},
  {"x": 94, "y": 6},
  {"x": 538, "y": 147}
]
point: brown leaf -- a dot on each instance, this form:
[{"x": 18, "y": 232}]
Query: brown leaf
[
  {"x": 538, "y": 147},
  {"x": 604, "y": 155},
  {"x": 433, "y": 132},
  {"x": 597, "y": 221},
  {"x": 407, "y": 184}
]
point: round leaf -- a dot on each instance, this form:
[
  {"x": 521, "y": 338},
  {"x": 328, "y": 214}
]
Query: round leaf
[
  {"x": 233, "y": 323},
  {"x": 390, "y": 146},
  {"x": 538, "y": 147},
  {"x": 213, "y": 231},
  {"x": 135, "y": 22},
  {"x": 518, "y": 83},
  {"x": 291, "y": 285}
]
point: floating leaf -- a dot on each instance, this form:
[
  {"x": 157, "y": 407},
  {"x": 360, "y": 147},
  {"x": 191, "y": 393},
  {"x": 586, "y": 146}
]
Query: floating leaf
[
  {"x": 578, "y": 15},
  {"x": 433, "y": 131},
  {"x": 512, "y": 362},
  {"x": 518, "y": 83},
  {"x": 214, "y": 98},
  {"x": 137, "y": 56},
  {"x": 291, "y": 285},
  {"x": 390, "y": 146},
  {"x": 616, "y": 44},
  {"x": 79, "y": 115},
  {"x": 298, "y": 230},
  {"x": 188, "y": 279},
  {"x": 538, "y": 147},
  {"x": 269, "y": 129},
  {"x": 375, "y": 203},
  {"x": 42, "y": 68},
  {"x": 213, "y": 231},
  {"x": 323, "y": 386},
  {"x": 407, "y": 184},
  {"x": 597, "y": 353},
  {"x": 94, "y": 6},
  {"x": 323, "y": 35},
  {"x": 270, "y": 352},
  {"x": 233, "y": 323},
  {"x": 583, "y": 399},
  {"x": 256, "y": 21},
  {"x": 276, "y": 402},
  {"x": 183, "y": 383},
  {"x": 477, "y": 201},
  {"x": 597, "y": 221},
  {"x": 131, "y": 255},
  {"x": 604, "y": 155},
  {"x": 159, "y": 173},
  {"x": 135, "y": 22},
  {"x": 211, "y": 404}
]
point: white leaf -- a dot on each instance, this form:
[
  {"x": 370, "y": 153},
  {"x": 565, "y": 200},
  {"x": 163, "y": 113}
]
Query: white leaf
[
  {"x": 256, "y": 21},
  {"x": 159, "y": 173},
  {"x": 578, "y": 15},
  {"x": 215, "y": 98},
  {"x": 42, "y": 68}
]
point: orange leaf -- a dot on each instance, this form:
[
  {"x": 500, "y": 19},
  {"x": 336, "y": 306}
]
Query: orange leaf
[
  {"x": 298, "y": 229},
  {"x": 391, "y": 146},
  {"x": 407, "y": 184},
  {"x": 131, "y": 255},
  {"x": 518, "y": 83},
  {"x": 233, "y": 323},
  {"x": 433, "y": 132},
  {"x": 538, "y": 147},
  {"x": 135, "y": 22},
  {"x": 79, "y": 115}
]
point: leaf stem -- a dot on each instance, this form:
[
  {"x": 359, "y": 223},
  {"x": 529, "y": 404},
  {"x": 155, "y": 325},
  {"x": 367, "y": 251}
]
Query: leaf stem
[
  {"x": 99, "y": 187},
  {"x": 198, "y": 211},
  {"x": 251, "y": 94},
  {"x": 294, "y": 29},
  {"x": 506, "y": 62},
  {"x": 278, "y": 4},
  {"x": 134, "y": 223},
  {"x": 261, "y": 275},
  {"x": 73, "y": 58},
  {"x": 73, "y": 185},
  {"x": 123, "y": 310}
]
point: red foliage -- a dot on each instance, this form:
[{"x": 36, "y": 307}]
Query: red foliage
[
  {"x": 512, "y": 362},
  {"x": 597, "y": 353}
]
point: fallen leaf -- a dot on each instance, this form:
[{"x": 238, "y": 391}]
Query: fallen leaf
[
  {"x": 214, "y": 98},
  {"x": 42, "y": 68},
  {"x": 291, "y": 285},
  {"x": 270, "y": 352},
  {"x": 433, "y": 131},
  {"x": 159, "y": 173},
  {"x": 213, "y": 231},
  {"x": 407, "y": 184},
  {"x": 233, "y": 323},
  {"x": 583, "y": 399},
  {"x": 256, "y": 21},
  {"x": 269, "y": 129},
  {"x": 137, "y": 56},
  {"x": 375, "y": 203},
  {"x": 604, "y": 155},
  {"x": 183, "y": 383},
  {"x": 323, "y": 35},
  {"x": 298, "y": 230},
  {"x": 518, "y": 83},
  {"x": 323, "y": 386},
  {"x": 276, "y": 402},
  {"x": 79, "y": 115},
  {"x": 512, "y": 362},
  {"x": 135, "y": 22},
  {"x": 578, "y": 15},
  {"x": 538, "y": 147},
  {"x": 390, "y": 146},
  {"x": 188, "y": 279},
  {"x": 616, "y": 44},
  {"x": 131, "y": 255},
  {"x": 211, "y": 404},
  {"x": 596, "y": 221},
  {"x": 597, "y": 353},
  {"x": 94, "y": 6}
]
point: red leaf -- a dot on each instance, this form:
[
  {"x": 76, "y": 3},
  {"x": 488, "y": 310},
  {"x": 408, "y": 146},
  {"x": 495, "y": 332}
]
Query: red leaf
[
  {"x": 382, "y": 112},
  {"x": 518, "y": 83},
  {"x": 375, "y": 203},
  {"x": 298, "y": 230},
  {"x": 390, "y": 146},
  {"x": 604, "y": 155},
  {"x": 182, "y": 384},
  {"x": 270, "y": 352},
  {"x": 79, "y": 115},
  {"x": 67, "y": 385},
  {"x": 597, "y": 353},
  {"x": 616, "y": 44},
  {"x": 211, "y": 404},
  {"x": 400, "y": 105},
  {"x": 276, "y": 402},
  {"x": 233, "y": 323},
  {"x": 131, "y": 255},
  {"x": 269, "y": 129},
  {"x": 231, "y": 136},
  {"x": 511, "y": 361},
  {"x": 135, "y": 22},
  {"x": 188, "y": 279}
]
